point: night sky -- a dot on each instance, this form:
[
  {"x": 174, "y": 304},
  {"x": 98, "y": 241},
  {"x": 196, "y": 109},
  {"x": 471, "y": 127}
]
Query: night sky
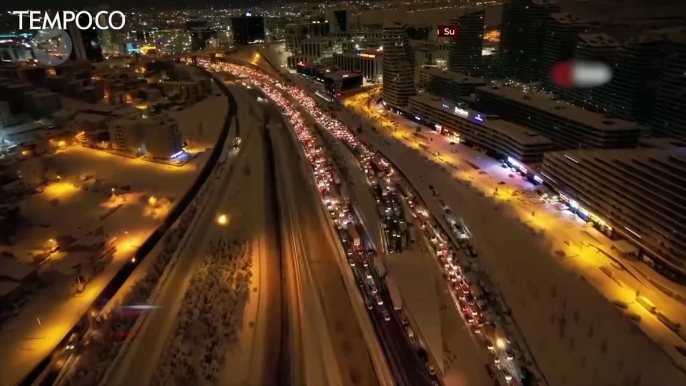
[{"x": 123, "y": 4}]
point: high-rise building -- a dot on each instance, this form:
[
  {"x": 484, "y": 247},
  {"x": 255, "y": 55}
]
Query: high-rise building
[
  {"x": 669, "y": 114},
  {"x": 296, "y": 32},
  {"x": 464, "y": 54},
  {"x": 560, "y": 41},
  {"x": 337, "y": 19},
  {"x": 398, "y": 65},
  {"x": 593, "y": 47},
  {"x": 369, "y": 63},
  {"x": 635, "y": 78},
  {"x": 636, "y": 194},
  {"x": 247, "y": 29},
  {"x": 523, "y": 30}
]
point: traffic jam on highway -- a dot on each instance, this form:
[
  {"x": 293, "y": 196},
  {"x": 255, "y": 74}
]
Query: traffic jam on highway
[
  {"x": 410, "y": 360},
  {"x": 401, "y": 213}
]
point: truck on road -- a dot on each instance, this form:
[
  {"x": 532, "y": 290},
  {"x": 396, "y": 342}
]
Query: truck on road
[
  {"x": 354, "y": 236},
  {"x": 394, "y": 292}
]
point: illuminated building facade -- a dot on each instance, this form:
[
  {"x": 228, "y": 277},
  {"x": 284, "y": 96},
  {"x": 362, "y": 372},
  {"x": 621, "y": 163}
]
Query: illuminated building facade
[
  {"x": 369, "y": 63},
  {"x": 503, "y": 139},
  {"x": 465, "y": 50},
  {"x": 637, "y": 194}
]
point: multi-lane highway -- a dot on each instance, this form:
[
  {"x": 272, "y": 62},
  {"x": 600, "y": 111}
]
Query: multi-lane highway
[{"x": 319, "y": 249}]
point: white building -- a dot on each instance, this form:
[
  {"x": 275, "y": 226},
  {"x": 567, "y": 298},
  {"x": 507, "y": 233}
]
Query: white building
[
  {"x": 637, "y": 194},
  {"x": 126, "y": 135},
  {"x": 398, "y": 65},
  {"x": 569, "y": 126},
  {"x": 504, "y": 139},
  {"x": 162, "y": 136}
]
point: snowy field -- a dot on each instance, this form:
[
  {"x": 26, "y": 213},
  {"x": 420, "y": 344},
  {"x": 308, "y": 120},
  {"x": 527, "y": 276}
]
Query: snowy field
[
  {"x": 77, "y": 205},
  {"x": 576, "y": 335}
]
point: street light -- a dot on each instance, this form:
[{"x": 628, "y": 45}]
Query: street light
[
  {"x": 222, "y": 220},
  {"x": 500, "y": 343}
]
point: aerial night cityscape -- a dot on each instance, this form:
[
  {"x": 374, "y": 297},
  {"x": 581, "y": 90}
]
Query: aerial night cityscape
[{"x": 363, "y": 193}]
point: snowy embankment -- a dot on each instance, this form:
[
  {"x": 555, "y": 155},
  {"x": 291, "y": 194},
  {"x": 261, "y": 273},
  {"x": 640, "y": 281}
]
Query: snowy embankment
[
  {"x": 575, "y": 334},
  {"x": 206, "y": 322},
  {"x": 110, "y": 332}
]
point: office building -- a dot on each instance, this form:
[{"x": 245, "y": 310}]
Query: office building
[
  {"x": 568, "y": 126},
  {"x": 501, "y": 138},
  {"x": 523, "y": 31},
  {"x": 315, "y": 47},
  {"x": 448, "y": 84},
  {"x": 247, "y": 29},
  {"x": 296, "y": 32},
  {"x": 398, "y": 66},
  {"x": 559, "y": 44},
  {"x": 430, "y": 53},
  {"x": 593, "y": 47},
  {"x": 669, "y": 114},
  {"x": 465, "y": 50},
  {"x": 335, "y": 81},
  {"x": 369, "y": 63},
  {"x": 338, "y": 19},
  {"x": 636, "y": 194}
]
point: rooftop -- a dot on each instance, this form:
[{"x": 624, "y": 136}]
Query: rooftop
[
  {"x": 627, "y": 155},
  {"x": 548, "y": 103},
  {"x": 20, "y": 129},
  {"x": 456, "y": 77},
  {"x": 599, "y": 40},
  {"x": 521, "y": 134},
  {"x": 567, "y": 18},
  {"x": 318, "y": 39},
  {"x": 92, "y": 118},
  {"x": 342, "y": 74},
  {"x": 13, "y": 270}
]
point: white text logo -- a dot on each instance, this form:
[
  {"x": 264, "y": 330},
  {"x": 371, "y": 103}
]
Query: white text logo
[{"x": 60, "y": 20}]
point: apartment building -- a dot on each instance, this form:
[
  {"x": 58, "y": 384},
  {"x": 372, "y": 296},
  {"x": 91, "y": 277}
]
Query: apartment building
[
  {"x": 568, "y": 126},
  {"x": 635, "y": 194},
  {"x": 503, "y": 139},
  {"x": 559, "y": 44},
  {"x": 398, "y": 65},
  {"x": 465, "y": 51},
  {"x": 523, "y": 31},
  {"x": 669, "y": 115},
  {"x": 593, "y": 47}
]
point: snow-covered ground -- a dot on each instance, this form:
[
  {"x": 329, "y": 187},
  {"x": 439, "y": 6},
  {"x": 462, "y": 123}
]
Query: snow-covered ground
[
  {"x": 576, "y": 335},
  {"x": 73, "y": 206},
  {"x": 592, "y": 254}
]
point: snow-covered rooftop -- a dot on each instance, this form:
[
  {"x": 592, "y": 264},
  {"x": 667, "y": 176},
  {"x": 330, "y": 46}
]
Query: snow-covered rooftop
[
  {"x": 567, "y": 18},
  {"x": 92, "y": 118},
  {"x": 64, "y": 113},
  {"x": 661, "y": 143},
  {"x": 521, "y": 134},
  {"x": 21, "y": 129},
  {"x": 547, "y": 103},
  {"x": 13, "y": 269},
  {"x": 456, "y": 77},
  {"x": 598, "y": 40}
]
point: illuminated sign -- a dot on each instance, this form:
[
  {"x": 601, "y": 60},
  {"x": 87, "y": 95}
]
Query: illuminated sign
[
  {"x": 364, "y": 55},
  {"x": 461, "y": 112},
  {"x": 538, "y": 179},
  {"x": 438, "y": 127},
  {"x": 478, "y": 118},
  {"x": 417, "y": 118},
  {"x": 583, "y": 212},
  {"x": 445, "y": 105}
]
